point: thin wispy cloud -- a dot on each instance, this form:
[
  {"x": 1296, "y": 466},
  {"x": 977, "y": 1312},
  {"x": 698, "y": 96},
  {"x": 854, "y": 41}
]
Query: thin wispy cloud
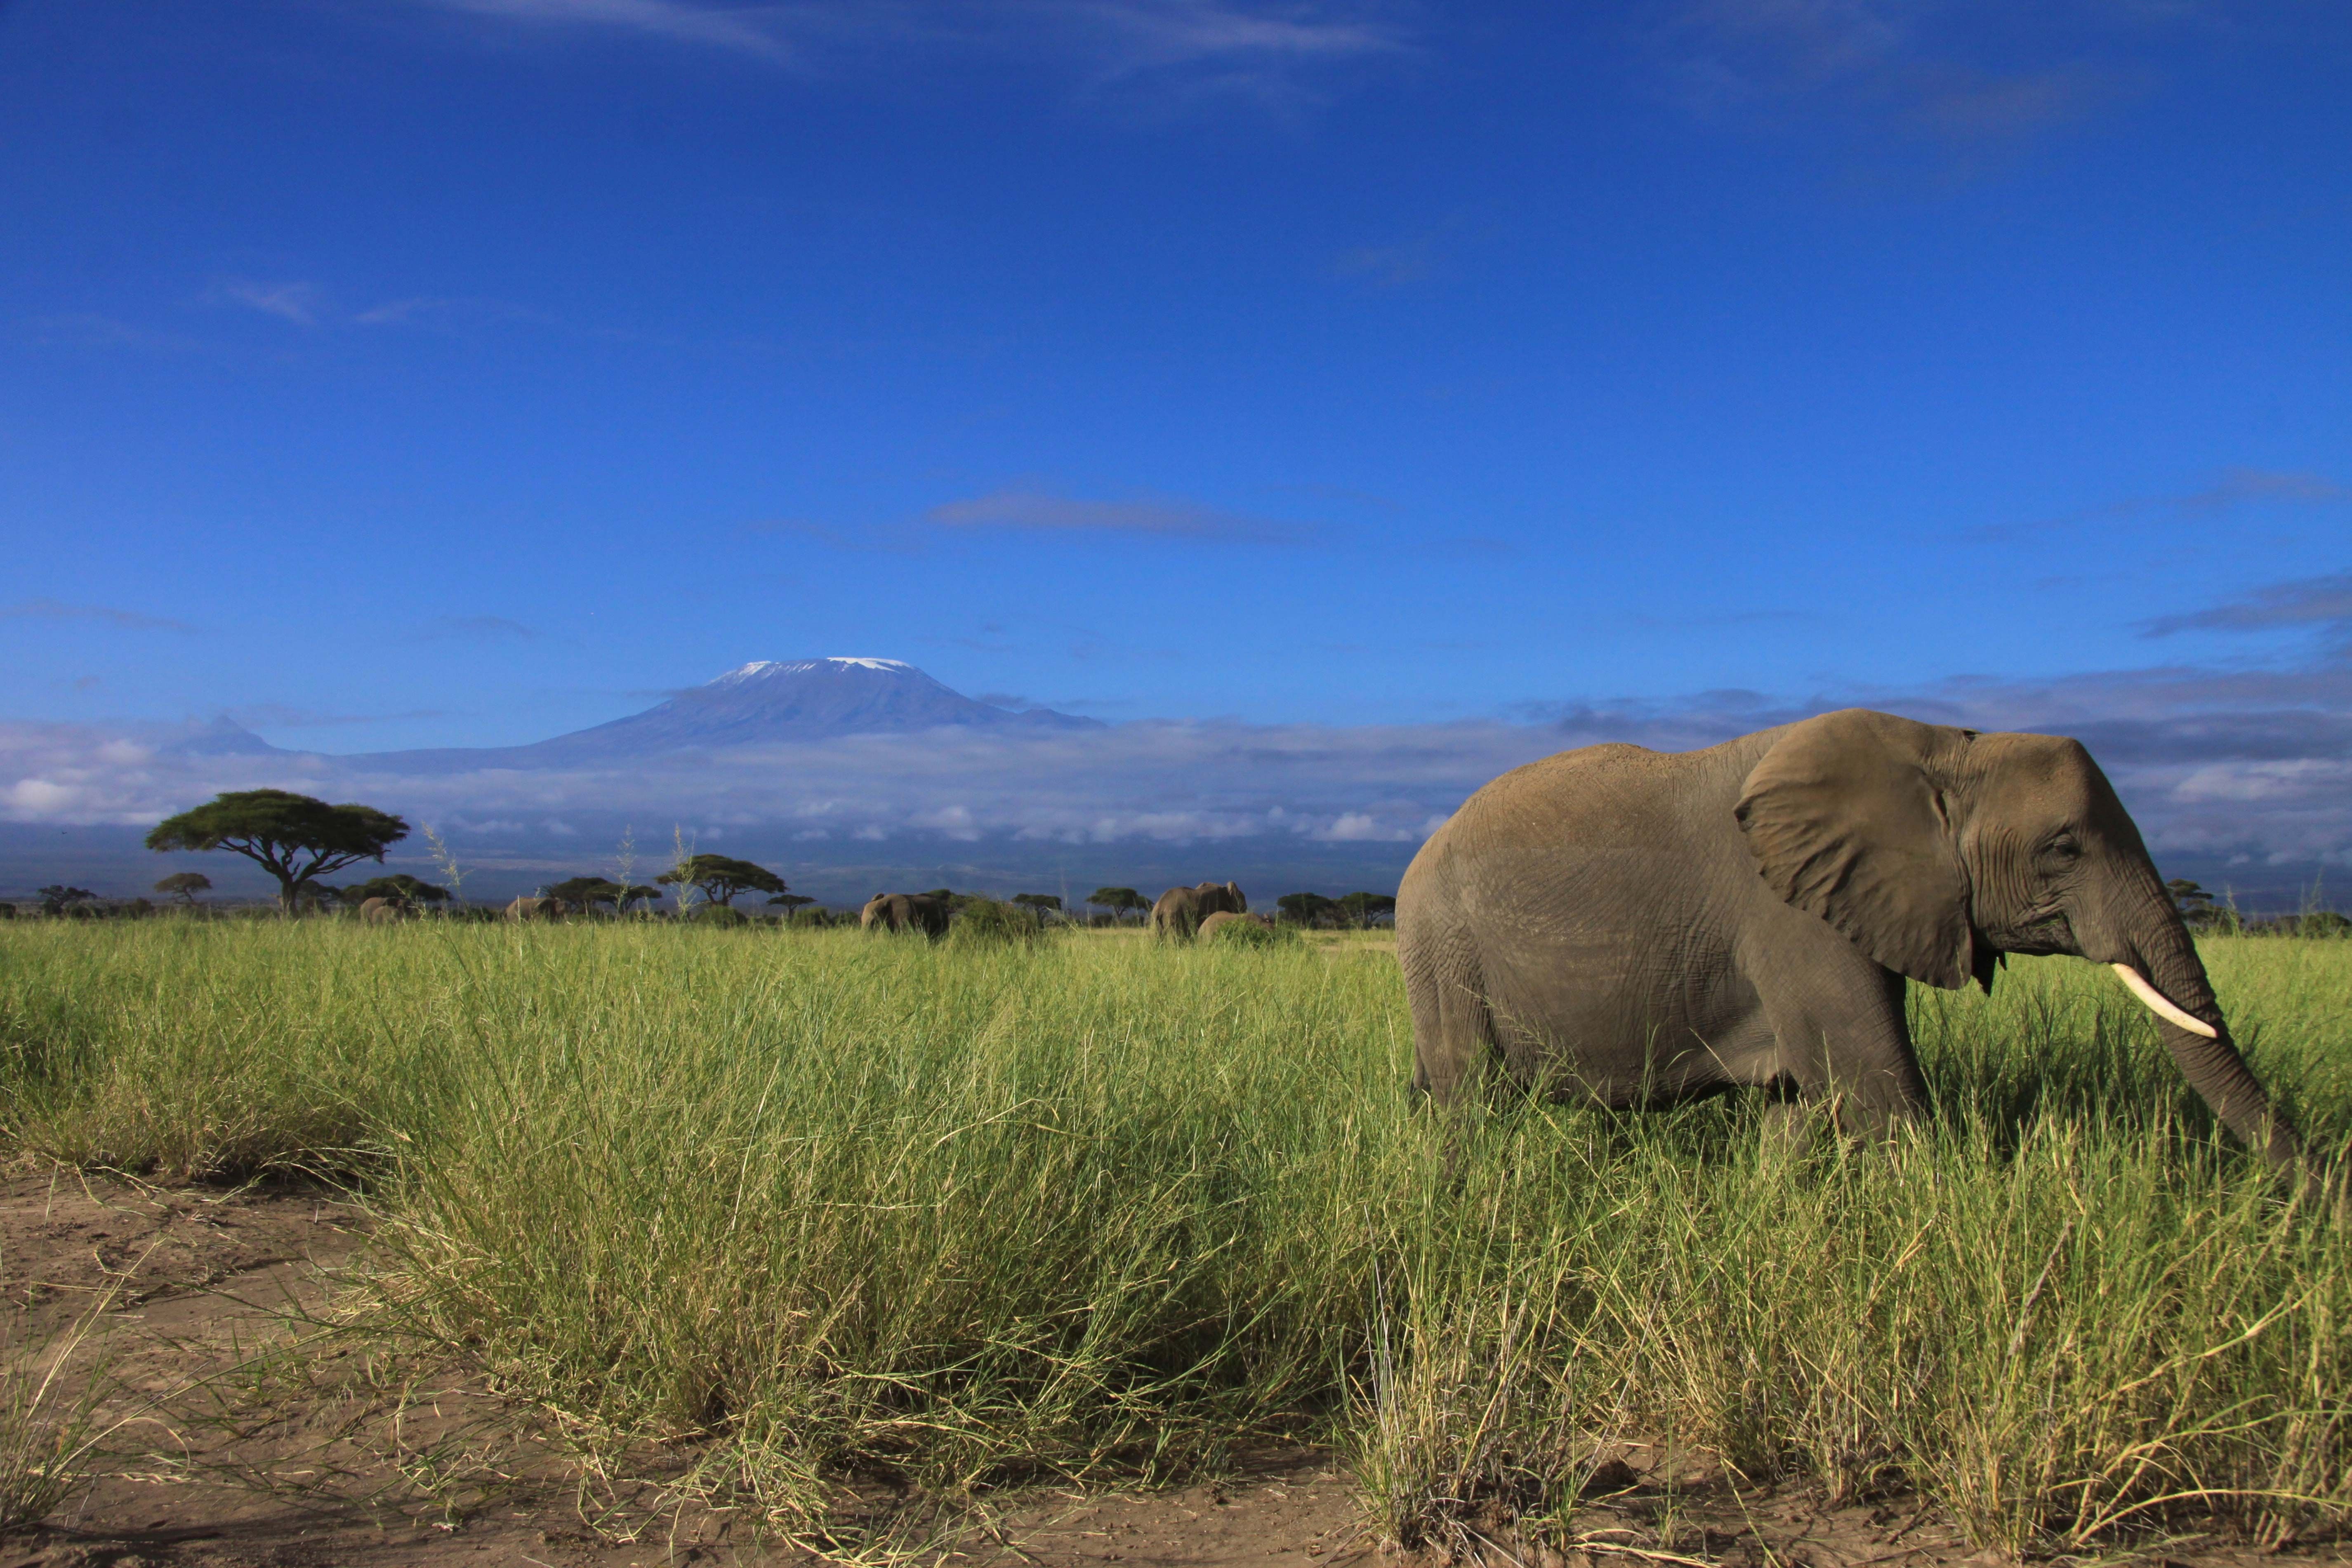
[
  {"x": 279, "y": 716},
  {"x": 2320, "y": 601},
  {"x": 53, "y": 610},
  {"x": 298, "y": 303},
  {"x": 1895, "y": 64},
  {"x": 479, "y": 629},
  {"x": 89, "y": 330},
  {"x": 1221, "y": 43},
  {"x": 1040, "y": 511},
  {"x": 1391, "y": 266},
  {"x": 747, "y": 29},
  {"x": 2236, "y": 487}
]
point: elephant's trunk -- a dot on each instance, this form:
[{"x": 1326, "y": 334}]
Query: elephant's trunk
[{"x": 2178, "y": 991}]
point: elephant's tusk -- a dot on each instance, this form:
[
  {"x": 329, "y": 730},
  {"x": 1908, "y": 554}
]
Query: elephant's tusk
[{"x": 2162, "y": 1005}]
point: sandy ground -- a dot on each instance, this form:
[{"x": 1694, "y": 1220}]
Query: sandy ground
[{"x": 252, "y": 1436}]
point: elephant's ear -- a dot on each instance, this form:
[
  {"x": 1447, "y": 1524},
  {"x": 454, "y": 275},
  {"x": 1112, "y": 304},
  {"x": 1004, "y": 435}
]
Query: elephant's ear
[{"x": 1846, "y": 821}]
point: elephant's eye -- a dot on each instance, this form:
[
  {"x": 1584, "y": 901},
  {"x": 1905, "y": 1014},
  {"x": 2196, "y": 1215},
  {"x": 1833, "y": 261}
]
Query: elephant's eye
[{"x": 2062, "y": 850}]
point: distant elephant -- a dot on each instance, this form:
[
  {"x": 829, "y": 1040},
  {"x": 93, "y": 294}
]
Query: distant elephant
[
  {"x": 383, "y": 911},
  {"x": 1181, "y": 910},
  {"x": 1225, "y": 917},
  {"x": 528, "y": 908},
  {"x": 1630, "y": 925},
  {"x": 906, "y": 912}
]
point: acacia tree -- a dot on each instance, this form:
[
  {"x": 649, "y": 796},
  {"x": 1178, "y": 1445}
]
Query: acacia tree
[
  {"x": 184, "y": 886},
  {"x": 1362, "y": 908},
  {"x": 1119, "y": 901},
  {"x": 721, "y": 877},
  {"x": 295, "y": 838},
  {"x": 586, "y": 891},
  {"x": 1305, "y": 908},
  {"x": 1044, "y": 904},
  {"x": 57, "y": 898}
]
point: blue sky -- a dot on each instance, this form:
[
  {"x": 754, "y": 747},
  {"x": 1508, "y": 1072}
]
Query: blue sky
[{"x": 404, "y": 372}]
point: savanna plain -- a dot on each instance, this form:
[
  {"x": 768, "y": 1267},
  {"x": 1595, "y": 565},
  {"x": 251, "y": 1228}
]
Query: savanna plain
[{"x": 865, "y": 1245}]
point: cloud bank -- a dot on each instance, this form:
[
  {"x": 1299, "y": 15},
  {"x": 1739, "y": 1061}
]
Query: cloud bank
[
  {"x": 2223, "y": 766},
  {"x": 2248, "y": 768}
]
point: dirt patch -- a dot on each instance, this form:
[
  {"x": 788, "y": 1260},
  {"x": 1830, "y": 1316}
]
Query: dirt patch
[{"x": 252, "y": 1434}]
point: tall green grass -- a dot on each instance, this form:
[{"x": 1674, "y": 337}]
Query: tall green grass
[{"x": 1094, "y": 1206}]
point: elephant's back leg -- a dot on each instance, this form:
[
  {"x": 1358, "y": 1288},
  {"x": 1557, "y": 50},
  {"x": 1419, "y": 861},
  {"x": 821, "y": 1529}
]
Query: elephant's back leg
[{"x": 1453, "y": 1027}]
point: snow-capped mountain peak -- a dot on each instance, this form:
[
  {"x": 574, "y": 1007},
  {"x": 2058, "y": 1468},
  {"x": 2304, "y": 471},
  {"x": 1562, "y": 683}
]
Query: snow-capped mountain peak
[{"x": 769, "y": 669}]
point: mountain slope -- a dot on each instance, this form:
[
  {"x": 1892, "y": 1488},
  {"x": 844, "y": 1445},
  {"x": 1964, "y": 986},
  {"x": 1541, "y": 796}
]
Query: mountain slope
[{"x": 764, "y": 703}]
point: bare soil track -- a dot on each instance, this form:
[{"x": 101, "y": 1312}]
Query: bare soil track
[{"x": 252, "y": 1436}]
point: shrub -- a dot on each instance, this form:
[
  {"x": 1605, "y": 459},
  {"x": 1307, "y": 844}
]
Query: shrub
[
  {"x": 985, "y": 921},
  {"x": 723, "y": 914},
  {"x": 1249, "y": 934}
]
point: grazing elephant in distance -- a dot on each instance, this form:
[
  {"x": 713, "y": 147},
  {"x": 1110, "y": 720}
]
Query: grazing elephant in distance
[
  {"x": 1225, "y": 917},
  {"x": 1181, "y": 910},
  {"x": 383, "y": 911},
  {"x": 906, "y": 912},
  {"x": 528, "y": 908},
  {"x": 1634, "y": 925}
]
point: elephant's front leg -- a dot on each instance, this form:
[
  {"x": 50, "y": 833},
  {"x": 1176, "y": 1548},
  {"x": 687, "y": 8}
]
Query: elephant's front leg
[{"x": 1843, "y": 1037}]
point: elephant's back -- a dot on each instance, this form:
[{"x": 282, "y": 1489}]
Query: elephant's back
[{"x": 1613, "y": 803}]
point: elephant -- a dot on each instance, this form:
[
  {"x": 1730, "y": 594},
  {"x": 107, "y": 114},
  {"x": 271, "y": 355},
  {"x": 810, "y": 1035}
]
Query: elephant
[
  {"x": 906, "y": 912},
  {"x": 1633, "y": 926},
  {"x": 528, "y": 908},
  {"x": 383, "y": 911},
  {"x": 1181, "y": 910},
  {"x": 1216, "y": 923}
]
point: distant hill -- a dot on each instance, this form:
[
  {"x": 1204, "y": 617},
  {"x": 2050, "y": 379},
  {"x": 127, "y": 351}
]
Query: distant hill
[{"x": 764, "y": 703}]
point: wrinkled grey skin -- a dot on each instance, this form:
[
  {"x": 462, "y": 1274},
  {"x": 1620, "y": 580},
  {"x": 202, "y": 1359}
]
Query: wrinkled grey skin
[
  {"x": 1638, "y": 925},
  {"x": 383, "y": 911},
  {"x": 906, "y": 912},
  {"x": 1181, "y": 910},
  {"x": 528, "y": 908}
]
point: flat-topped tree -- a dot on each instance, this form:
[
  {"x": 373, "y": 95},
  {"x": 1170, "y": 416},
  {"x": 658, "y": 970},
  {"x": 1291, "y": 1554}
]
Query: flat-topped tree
[
  {"x": 586, "y": 891},
  {"x": 1362, "y": 908},
  {"x": 1120, "y": 901},
  {"x": 184, "y": 886},
  {"x": 57, "y": 898},
  {"x": 295, "y": 838},
  {"x": 1305, "y": 908},
  {"x": 721, "y": 877}
]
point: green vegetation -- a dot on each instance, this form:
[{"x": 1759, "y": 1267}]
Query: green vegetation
[
  {"x": 1121, "y": 902},
  {"x": 718, "y": 878},
  {"x": 184, "y": 886},
  {"x": 295, "y": 838},
  {"x": 400, "y": 886},
  {"x": 988, "y": 922},
  {"x": 58, "y": 899},
  {"x": 1079, "y": 1205},
  {"x": 590, "y": 892},
  {"x": 1251, "y": 934}
]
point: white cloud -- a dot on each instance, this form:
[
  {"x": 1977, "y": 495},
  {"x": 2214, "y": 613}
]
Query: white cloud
[
  {"x": 294, "y": 302},
  {"x": 1255, "y": 47},
  {"x": 746, "y": 29},
  {"x": 1041, "y": 511}
]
